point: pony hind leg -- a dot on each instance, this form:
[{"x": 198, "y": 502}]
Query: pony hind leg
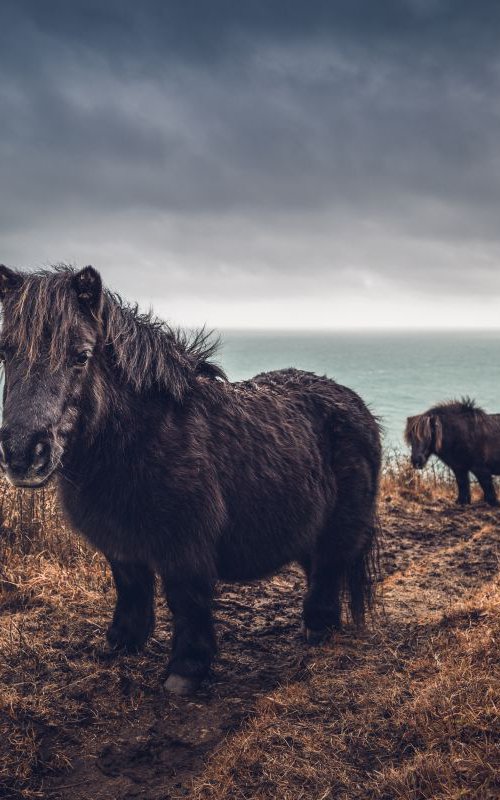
[
  {"x": 322, "y": 603},
  {"x": 343, "y": 572},
  {"x": 133, "y": 618},
  {"x": 486, "y": 482}
]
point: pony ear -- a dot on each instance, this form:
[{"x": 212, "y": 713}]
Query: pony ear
[
  {"x": 9, "y": 280},
  {"x": 438, "y": 433},
  {"x": 88, "y": 287}
]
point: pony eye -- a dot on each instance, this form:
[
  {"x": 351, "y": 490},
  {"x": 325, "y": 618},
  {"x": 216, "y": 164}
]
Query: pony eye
[{"x": 82, "y": 357}]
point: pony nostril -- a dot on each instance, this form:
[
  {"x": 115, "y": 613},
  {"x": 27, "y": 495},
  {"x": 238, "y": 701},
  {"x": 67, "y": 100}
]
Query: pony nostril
[{"x": 41, "y": 455}]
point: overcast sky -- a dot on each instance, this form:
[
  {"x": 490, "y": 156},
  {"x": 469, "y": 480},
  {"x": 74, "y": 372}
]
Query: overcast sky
[{"x": 259, "y": 163}]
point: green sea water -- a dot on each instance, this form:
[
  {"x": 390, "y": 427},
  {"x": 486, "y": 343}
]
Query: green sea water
[{"x": 396, "y": 373}]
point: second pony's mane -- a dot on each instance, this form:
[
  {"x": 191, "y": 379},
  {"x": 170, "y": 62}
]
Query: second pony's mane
[
  {"x": 466, "y": 405},
  {"x": 147, "y": 352}
]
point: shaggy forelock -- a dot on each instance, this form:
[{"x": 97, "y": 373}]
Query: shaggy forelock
[
  {"x": 42, "y": 313},
  {"x": 418, "y": 429}
]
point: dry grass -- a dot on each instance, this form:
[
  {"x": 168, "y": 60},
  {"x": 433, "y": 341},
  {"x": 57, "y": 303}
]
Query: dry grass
[
  {"x": 408, "y": 713},
  {"x": 46, "y": 573},
  {"x": 405, "y": 710}
]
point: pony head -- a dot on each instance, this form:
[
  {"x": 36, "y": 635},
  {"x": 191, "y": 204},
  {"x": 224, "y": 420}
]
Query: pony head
[
  {"x": 50, "y": 333},
  {"x": 424, "y": 434}
]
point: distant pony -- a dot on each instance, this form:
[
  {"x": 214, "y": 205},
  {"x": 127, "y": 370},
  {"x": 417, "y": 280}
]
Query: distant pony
[
  {"x": 171, "y": 470},
  {"x": 465, "y": 438}
]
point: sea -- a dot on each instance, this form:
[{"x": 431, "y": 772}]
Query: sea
[{"x": 397, "y": 373}]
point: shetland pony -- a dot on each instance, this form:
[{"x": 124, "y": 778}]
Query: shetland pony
[{"x": 172, "y": 471}]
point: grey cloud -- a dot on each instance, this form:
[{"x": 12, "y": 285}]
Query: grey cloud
[{"x": 228, "y": 145}]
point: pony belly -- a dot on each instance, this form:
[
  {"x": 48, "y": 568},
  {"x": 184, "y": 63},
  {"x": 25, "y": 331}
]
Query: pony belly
[
  {"x": 240, "y": 569},
  {"x": 247, "y": 553}
]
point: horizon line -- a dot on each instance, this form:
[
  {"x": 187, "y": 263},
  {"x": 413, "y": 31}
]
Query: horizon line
[{"x": 360, "y": 329}]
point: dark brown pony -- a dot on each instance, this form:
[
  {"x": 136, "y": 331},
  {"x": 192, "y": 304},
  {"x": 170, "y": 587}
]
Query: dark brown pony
[
  {"x": 463, "y": 436},
  {"x": 170, "y": 470}
]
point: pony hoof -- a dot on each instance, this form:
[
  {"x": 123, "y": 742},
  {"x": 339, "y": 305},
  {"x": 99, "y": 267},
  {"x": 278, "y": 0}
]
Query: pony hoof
[
  {"x": 179, "y": 685},
  {"x": 118, "y": 642},
  {"x": 315, "y": 637}
]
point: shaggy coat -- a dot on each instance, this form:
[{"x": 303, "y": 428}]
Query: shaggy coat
[
  {"x": 465, "y": 438},
  {"x": 170, "y": 470}
]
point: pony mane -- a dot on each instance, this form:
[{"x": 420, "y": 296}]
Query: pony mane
[
  {"x": 147, "y": 353},
  {"x": 465, "y": 405}
]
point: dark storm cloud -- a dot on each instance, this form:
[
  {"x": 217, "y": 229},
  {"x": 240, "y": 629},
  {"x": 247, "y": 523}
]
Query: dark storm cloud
[{"x": 221, "y": 145}]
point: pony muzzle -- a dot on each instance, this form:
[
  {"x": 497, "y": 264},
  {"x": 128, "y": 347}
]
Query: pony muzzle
[{"x": 27, "y": 460}]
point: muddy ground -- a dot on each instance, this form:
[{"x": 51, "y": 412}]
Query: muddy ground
[{"x": 79, "y": 723}]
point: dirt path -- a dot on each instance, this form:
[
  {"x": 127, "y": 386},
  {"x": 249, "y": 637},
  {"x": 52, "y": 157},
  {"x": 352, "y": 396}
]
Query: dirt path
[{"x": 113, "y": 733}]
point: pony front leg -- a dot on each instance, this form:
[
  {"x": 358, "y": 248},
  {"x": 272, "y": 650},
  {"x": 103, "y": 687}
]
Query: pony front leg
[
  {"x": 193, "y": 644},
  {"x": 133, "y": 619}
]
